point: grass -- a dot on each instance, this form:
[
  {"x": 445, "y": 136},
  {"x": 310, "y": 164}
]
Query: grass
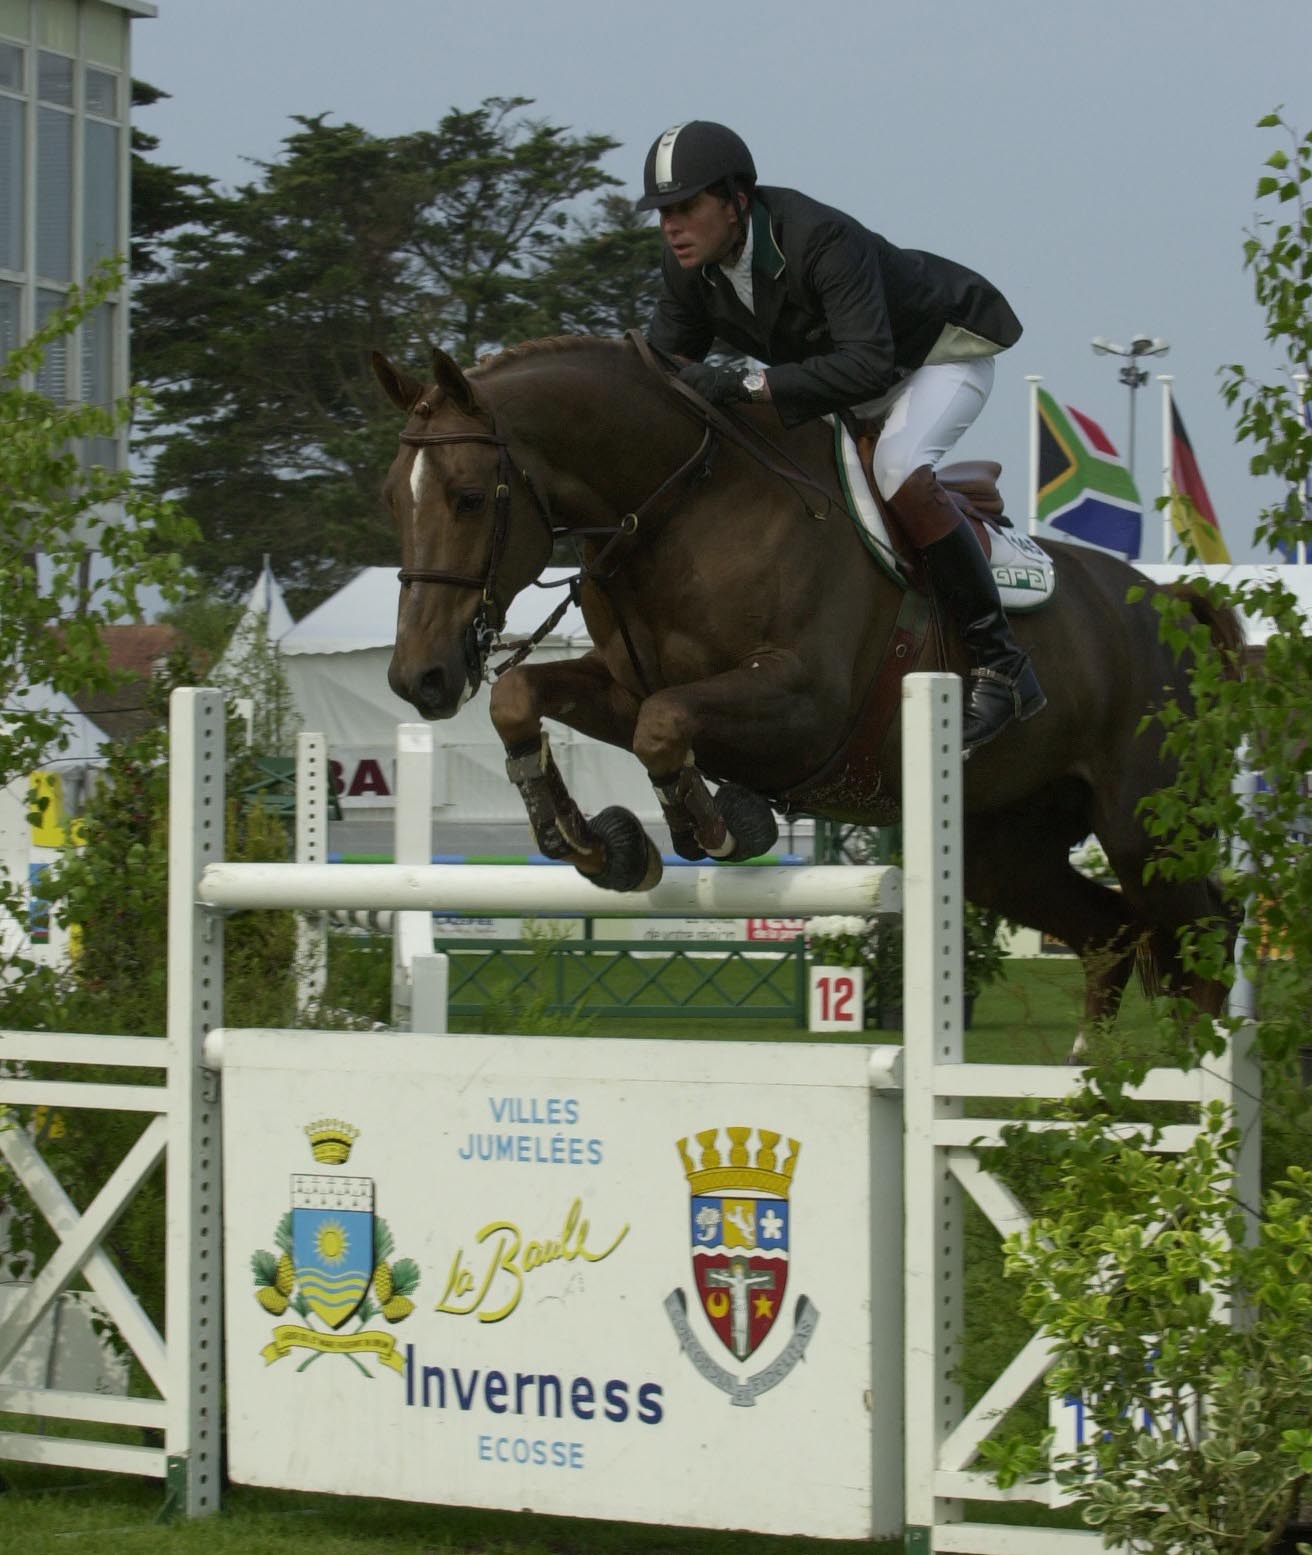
[{"x": 54, "y": 1512}]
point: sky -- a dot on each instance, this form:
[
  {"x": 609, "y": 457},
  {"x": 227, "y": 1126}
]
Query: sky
[{"x": 1096, "y": 162}]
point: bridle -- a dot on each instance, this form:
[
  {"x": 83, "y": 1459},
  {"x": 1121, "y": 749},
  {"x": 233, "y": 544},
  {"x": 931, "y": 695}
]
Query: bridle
[
  {"x": 483, "y": 632},
  {"x": 485, "y": 628},
  {"x": 491, "y": 614}
]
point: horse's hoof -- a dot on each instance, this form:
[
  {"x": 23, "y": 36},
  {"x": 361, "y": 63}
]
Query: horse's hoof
[
  {"x": 685, "y": 844},
  {"x": 631, "y": 860},
  {"x": 750, "y": 821}
]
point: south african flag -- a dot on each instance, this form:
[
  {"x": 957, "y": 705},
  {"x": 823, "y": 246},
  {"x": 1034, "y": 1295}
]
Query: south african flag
[{"x": 1083, "y": 486}]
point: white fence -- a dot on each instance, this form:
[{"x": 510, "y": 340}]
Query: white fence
[{"x": 937, "y": 1160}]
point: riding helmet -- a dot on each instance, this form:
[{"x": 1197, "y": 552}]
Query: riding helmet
[{"x": 688, "y": 157}]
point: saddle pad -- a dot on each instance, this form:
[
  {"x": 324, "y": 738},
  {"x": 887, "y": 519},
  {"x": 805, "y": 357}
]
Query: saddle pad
[{"x": 1021, "y": 567}]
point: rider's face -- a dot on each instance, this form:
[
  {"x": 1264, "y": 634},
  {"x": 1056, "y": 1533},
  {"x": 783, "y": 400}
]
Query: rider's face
[{"x": 702, "y": 230}]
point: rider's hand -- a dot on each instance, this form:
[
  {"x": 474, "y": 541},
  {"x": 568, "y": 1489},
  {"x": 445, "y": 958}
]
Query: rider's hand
[{"x": 718, "y": 385}]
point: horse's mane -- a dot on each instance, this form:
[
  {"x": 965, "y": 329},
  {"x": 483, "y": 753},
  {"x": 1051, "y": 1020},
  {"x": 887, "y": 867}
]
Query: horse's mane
[{"x": 548, "y": 344}]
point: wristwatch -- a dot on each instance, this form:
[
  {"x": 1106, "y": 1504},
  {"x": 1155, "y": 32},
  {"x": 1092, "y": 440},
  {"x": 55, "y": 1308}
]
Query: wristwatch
[{"x": 754, "y": 383}]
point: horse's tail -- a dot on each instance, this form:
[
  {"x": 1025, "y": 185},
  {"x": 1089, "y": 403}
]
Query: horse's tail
[{"x": 1221, "y": 622}]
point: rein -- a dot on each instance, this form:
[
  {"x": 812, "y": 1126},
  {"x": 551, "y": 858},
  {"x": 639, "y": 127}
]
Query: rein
[
  {"x": 739, "y": 433},
  {"x": 485, "y": 634}
]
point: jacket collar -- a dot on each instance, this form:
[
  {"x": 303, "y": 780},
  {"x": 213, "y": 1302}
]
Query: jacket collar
[{"x": 767, "y": 256}]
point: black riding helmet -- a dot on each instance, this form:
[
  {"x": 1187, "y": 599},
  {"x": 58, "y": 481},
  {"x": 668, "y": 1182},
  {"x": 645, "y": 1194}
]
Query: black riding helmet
[{"x": 688, "y": 158}]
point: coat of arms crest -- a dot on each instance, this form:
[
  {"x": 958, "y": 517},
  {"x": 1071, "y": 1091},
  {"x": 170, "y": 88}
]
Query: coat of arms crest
[
  {"x": 332, "y": 1250},
  {"x": 739, "y": 1234}
]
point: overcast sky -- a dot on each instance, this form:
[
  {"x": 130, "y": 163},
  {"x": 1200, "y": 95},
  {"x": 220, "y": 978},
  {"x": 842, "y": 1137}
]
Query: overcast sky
[{"x": 1096, "y": 161}]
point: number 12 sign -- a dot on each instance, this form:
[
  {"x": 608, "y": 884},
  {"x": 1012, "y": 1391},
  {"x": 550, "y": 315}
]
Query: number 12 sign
[{"x": 837, "y": 998}]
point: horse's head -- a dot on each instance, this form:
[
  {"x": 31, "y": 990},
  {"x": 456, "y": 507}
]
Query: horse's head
[{"x": 474, "y": 531}]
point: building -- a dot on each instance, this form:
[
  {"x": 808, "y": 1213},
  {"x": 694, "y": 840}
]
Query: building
[{"x": 65, "y": 95}]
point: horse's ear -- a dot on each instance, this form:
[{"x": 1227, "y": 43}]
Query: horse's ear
[
  {"x": 399, "y": 387},
  {"x": 453, "y": 383}
]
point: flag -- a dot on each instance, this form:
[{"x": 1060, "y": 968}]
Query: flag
[
  {"x": 1083, "y": 486},
  {"x": 1192, "y": 514}
]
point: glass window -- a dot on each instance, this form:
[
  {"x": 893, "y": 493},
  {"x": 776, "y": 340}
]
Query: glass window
[
  {"x": 98, "y": 355},
  {"x": 54, "y": 79},
  {"x": 99, "y": 194},
  {"x": 12, "y": 138},
  {"x": 105, "y": 33},
  {"x": 11, "y": 67},
  {"x": 54, "y": 194},
  {"x": 14, "y": 18},
  {"x": 98, "y": 379},
  {"x": 11, "y": 315},
  {"x": 57, "y": 24},
  {"x": 102, "y": 93},
  {"x": 52, "y": 380}
]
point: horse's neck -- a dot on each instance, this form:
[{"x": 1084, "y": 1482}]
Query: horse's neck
[{"x": 607, "y": 439}]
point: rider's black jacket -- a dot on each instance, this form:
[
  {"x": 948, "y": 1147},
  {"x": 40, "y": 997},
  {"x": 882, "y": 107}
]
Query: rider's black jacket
[{"x": 841, "y": 314}]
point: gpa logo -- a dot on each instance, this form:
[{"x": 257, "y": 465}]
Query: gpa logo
[
  {"x": 740, "y": 1237},
  {"x": 333, "y": 1264}
]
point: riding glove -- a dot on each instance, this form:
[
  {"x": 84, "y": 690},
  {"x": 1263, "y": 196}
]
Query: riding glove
[{"x": 717, "y": 385}]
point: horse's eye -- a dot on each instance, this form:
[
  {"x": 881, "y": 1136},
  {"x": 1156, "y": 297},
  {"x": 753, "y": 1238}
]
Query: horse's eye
[{"x": 468, "y": 502}]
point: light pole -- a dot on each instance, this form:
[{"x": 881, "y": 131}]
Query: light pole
[{"x": 1132, "y": 375}]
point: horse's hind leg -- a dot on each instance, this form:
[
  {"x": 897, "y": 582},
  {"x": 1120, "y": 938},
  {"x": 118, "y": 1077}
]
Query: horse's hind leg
[
  {"x": 612, "y": 849},
  {"x": 1018, "y": 864}
]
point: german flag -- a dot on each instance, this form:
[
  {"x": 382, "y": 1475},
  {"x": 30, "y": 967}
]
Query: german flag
[
  {"x": 1084, "y": 488},
  {"x": 1192, "y": 515}
]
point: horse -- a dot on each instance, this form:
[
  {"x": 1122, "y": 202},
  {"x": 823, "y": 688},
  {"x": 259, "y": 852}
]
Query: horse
[{"x": 742, "y": 632}]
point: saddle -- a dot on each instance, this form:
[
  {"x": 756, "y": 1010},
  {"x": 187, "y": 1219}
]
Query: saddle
[{"x": 1022, "y": 569}]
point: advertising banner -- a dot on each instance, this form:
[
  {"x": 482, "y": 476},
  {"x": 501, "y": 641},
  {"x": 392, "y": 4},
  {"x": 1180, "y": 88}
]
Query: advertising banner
[{"x": 641, "y": 1280}]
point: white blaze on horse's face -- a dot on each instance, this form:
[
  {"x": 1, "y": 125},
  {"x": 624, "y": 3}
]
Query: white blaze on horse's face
[{"x": 418, "y": 473}]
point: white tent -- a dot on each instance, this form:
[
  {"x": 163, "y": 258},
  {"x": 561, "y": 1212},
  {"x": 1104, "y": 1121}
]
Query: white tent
[
  {"x": 335, "y": 661},
  {"x": 265, "y": 610}
]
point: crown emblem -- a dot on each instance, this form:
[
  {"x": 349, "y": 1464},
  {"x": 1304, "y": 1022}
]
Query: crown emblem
[
  {"x": 331, "y": 1140},
  {"x": 741, "y": 1170}
]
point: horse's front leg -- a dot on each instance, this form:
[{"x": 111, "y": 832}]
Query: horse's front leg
[
  {"x": 753, "y": 712},
  {"x": 612, "y": 849}
]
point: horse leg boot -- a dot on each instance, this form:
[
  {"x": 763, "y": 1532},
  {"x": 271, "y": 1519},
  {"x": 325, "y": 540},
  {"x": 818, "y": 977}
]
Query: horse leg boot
[
  {"x": 558, "y": 824},
  {"x": 1003, "y": 685}
]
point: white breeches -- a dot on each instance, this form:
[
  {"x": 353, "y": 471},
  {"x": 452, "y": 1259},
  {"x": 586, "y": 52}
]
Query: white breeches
[{"x": 926, "y": 414}]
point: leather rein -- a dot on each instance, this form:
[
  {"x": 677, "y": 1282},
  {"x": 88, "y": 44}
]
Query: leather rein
[{"x": 484, "y": 630}]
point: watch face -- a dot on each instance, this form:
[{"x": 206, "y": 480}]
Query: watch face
[{"x": 754, "y": 382}]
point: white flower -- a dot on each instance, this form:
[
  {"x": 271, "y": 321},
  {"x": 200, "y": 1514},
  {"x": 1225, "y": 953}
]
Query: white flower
[{"x": 838, "y": 924}]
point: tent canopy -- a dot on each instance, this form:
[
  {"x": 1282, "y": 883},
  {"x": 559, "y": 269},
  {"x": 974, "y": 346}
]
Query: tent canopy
[
  {"x": 1298, "y": 580},
  {"x": 362, "y": 614}
]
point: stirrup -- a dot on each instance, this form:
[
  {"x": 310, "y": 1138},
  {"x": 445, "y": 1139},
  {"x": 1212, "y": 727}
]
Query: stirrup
[{"x": 998, "y": 700}]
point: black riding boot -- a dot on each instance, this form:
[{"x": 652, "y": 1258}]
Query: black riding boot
[{"x": 1003, "y": 685}]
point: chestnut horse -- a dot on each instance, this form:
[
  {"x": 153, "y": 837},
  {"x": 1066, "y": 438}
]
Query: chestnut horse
[{"x": 743, "y": 631}]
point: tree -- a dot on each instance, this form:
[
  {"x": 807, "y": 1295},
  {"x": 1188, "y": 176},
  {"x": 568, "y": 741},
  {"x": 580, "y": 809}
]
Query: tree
[
  {"x": 1268, "y": 712},
  {"x": 256, "y": 337},
  {"x": 164, "y": 198},
  {"x": 55, "y": 513}
]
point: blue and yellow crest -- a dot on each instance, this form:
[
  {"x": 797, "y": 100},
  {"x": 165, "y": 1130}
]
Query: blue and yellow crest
[{"x": 333, "y": 1262}]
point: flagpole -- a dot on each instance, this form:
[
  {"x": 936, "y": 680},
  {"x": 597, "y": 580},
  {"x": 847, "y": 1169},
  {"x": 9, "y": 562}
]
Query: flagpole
[
  {"x": 1034, "y": 380},
  {"x": 1300, "y": 554},
  {"x": 1168, "y": 446}
]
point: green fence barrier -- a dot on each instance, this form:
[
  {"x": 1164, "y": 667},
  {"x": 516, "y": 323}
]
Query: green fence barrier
[{"x": 693, "y": 980}]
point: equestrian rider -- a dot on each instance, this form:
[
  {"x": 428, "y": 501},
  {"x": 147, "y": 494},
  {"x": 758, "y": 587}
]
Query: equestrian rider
[{"x": 844, "y": 320}]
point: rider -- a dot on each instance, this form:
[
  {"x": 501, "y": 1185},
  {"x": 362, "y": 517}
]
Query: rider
[{"x": 844, "y": 320}]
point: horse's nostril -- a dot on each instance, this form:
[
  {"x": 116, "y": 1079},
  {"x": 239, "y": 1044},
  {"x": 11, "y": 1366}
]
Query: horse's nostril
[{"x": 432, "y": 687}]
